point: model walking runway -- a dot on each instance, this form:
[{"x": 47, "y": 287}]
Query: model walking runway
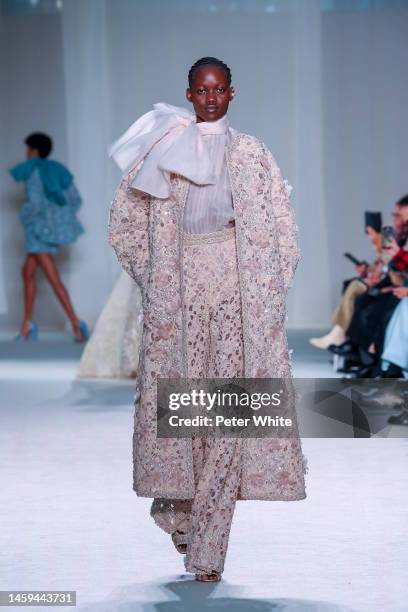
[{"x": 203, "y": 223}]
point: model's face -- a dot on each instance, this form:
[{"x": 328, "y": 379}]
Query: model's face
[{"x": 210, "y": 93}]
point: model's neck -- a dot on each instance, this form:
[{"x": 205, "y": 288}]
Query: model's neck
[{"x": 220, "y": 126}]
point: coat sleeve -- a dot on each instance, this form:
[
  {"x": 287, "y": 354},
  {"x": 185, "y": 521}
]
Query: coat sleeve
[
  {"x": 128, "y": 230},
  {"x": 286, "y": 228}
]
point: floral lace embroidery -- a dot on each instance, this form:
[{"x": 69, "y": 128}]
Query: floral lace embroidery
[{"x": 147, "y": 236}]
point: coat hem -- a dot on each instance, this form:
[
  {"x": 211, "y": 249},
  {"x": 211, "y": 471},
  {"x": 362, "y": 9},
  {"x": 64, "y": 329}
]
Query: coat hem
[
  {"x": 272, "y": 498},
  {"x": 145, "y": 493}
]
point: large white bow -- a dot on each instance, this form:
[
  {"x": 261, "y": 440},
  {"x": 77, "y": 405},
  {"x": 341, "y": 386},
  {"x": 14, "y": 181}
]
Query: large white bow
[{"x": 170, "y": 140}]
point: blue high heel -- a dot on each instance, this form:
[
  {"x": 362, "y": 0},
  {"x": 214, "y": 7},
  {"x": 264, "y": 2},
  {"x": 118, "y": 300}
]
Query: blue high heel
[
  {"x": 32, "y": 333},
  {"x": 85, "y": 333}
]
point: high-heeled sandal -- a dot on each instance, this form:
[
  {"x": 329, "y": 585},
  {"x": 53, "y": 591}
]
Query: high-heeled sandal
[
  {"x": 182, "y": 548},
  {"x": 84, "y": 331},
  {"x": 179, "y": 540},
  {"x": 213, "y": 577},
  {"x": 32, "y": 333}
]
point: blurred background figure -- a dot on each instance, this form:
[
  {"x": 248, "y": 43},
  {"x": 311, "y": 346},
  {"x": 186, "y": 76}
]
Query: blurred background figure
[
  {"x": 113, "y": 349},
  {"x": 368, "y": 276},
  {"x": 369, "y": 321},
  {"x": 48, "y": 216}
]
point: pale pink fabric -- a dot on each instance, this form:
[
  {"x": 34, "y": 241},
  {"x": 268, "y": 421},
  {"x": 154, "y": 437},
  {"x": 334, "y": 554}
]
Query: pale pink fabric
[
  {"x": 215, "y": 349},
  {"x": 168, "y": 141},
  {"x": 209, "y": 207},
  {"x": 147, "y": 235}
]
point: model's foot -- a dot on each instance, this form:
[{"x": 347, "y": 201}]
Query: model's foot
[
  {"x": 80, "y": 330},
  {"x": 25, "y": 328},
  {"x": 28, "y": 331},
  {"x": 182, "y": 548},
  {"x": 179, "y": 541},
  {"x": 76, "y": 330},
  {"x": 213, "y": 577}
]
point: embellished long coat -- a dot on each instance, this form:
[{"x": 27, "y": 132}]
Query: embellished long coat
[{"x": 147, "y": 236}]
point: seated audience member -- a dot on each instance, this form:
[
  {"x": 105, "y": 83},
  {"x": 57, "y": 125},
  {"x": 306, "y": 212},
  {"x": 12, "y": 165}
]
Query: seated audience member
[
  {"x": 400, "y": 221},
  {"x": 370, "y": 284},
  {"x": 373, "y": 312},
  {"x": 369, "y": 276}
]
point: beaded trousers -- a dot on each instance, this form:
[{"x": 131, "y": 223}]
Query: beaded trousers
[{"x": 212, "y": 306}]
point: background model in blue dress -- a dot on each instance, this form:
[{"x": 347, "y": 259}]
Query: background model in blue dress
[
  {"x": 51, "y": 203},
  {"x": 49, "y": 219}
]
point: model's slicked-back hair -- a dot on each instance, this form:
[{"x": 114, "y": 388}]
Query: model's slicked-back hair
[
  {"x": 403, "y": 201},
  {"x": 41, "y": 142},
  {"x": 208, "y": 61}
]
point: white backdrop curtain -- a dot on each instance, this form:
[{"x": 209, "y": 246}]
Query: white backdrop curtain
[
  {"x": 86, "y": 75},
  {"x": 144, "y": 54},
  {"x": 311, "y": 303},
  {"x": 322, "y": 86},
  {"x": 3, "y": 216}
]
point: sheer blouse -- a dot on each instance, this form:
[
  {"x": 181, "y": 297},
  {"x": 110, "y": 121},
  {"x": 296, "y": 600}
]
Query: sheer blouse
[{"x": 209, "y": 208}]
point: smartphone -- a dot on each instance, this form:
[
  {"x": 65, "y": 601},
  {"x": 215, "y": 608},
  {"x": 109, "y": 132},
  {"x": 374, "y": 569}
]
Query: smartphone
[{"x": 354, "y": 260}]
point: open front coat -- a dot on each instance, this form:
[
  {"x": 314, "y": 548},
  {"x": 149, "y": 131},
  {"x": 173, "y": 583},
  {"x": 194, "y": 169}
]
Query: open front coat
[{"x": 147, "y": 236}]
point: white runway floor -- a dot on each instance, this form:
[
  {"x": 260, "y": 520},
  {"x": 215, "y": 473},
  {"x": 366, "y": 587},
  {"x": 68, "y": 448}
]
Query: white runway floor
[{"x": 70, "y": 520}]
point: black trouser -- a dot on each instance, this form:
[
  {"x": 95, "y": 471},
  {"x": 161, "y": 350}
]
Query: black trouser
[{"x": 370, "y": 320}]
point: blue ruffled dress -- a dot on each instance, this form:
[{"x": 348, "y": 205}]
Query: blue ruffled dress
[{"x": 51, "y": 202}]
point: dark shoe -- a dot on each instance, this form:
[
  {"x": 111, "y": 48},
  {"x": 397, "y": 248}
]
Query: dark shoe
[
  {"x": 400, "y": 419},
  {"x": 346, "y": 350},
  {"x": 393, "y": 371},
  {"x": 339, "y": 349},
  {"x": 350, "y": 366},
  {"x": 361, "y": 372},
  {"x": 368, "y": 359}
]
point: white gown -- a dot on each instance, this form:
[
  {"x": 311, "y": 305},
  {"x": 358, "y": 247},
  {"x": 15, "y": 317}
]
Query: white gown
[{"x": 113, "y": 348}]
